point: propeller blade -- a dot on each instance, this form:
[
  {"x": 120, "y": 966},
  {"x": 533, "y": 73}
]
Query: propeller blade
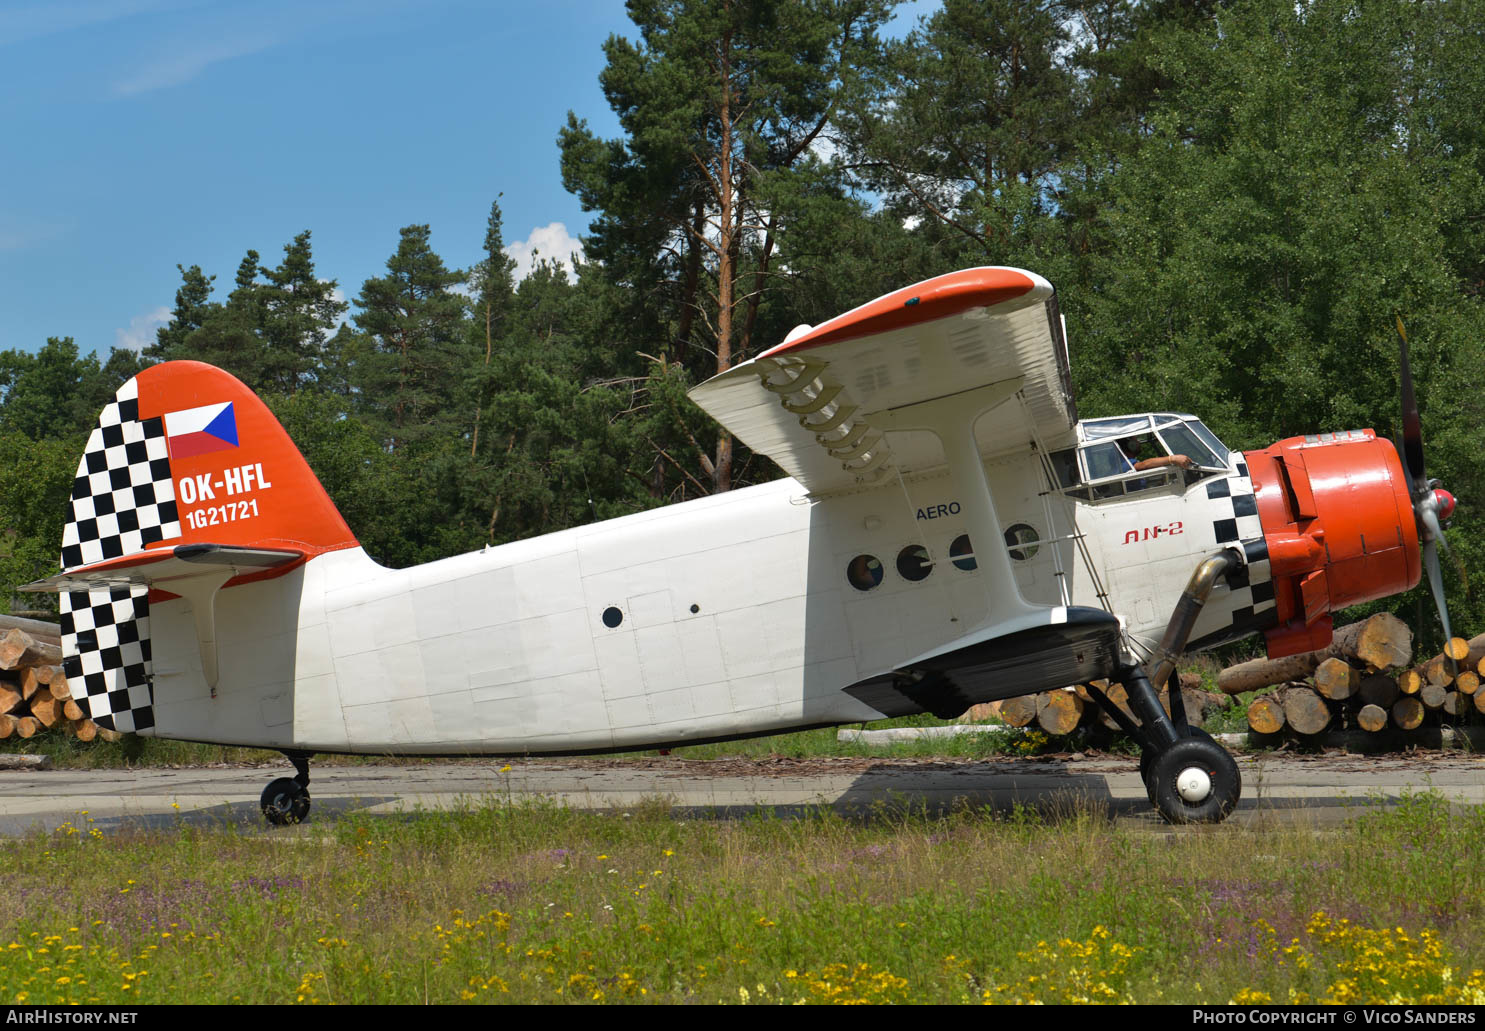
[
  {"x": 1464, "y": 577},
  {"x": 1412, "y": 424},
  {"x": 1436, "y": 584}
]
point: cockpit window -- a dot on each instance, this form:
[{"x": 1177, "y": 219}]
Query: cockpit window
[
  {"x": 1065, "y": 465},
  {"x": 1100, "y": 429},
  {"x": 1106, "y": 460},
  {"x": 1181, "y": 439},
  {"x": 1210, "y": 438}
]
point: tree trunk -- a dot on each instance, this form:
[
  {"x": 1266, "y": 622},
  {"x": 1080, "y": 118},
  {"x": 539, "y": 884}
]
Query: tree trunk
[
  {"x": 1336, "y": 680},
  {"x": 1305, "y": 710},
  {"x": 19, "y": 649},
  {"x": 1407, "y": 713},
  {"x": 1380, "y": 642},
  {"x": 1059, "y": 712},
  {"x": 1266, "y": 715},
  {"x": 1371, "y": 718},
  {"x": 727, "y": 249},
  {"x": 1019, "y": 711}
]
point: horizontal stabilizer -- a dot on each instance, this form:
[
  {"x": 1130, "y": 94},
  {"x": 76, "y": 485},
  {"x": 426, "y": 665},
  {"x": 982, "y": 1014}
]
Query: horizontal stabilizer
[{"x": 160, "y": 567}]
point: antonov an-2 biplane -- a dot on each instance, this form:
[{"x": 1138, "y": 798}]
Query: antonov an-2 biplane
[{"x": 949, "y": 533}]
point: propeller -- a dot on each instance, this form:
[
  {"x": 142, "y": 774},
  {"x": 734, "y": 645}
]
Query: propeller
[{"x": 1432, "y": 506}]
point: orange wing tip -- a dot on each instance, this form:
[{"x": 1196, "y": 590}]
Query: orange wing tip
[{"x": 928, "y": 301}]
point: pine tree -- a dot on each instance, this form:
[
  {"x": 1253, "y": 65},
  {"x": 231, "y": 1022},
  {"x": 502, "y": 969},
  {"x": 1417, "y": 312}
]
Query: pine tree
[
  {"x": 297, "y": 311},
  {"x": 193, "y": 307},
  {"x": 493, "y": 284},
  {"x": 421, "y": 355},
  {"x": 721, "y": 102},
  {"x": 271, "y": 332}
]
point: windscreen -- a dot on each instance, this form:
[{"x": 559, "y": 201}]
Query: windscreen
[
  {"x": 1181, "y": 440},
  {"x": 1210, "y": 438}
]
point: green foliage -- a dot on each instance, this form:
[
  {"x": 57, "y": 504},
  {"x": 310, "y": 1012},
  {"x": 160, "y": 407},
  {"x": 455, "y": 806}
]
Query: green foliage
[
  {"x": 272, "y": 331},
  {"x": 720, "y": 105},
  {"x": 1289, "y": 201},
  {"x": 35, "y": 483},
  {"x": 411, "y": 379}
]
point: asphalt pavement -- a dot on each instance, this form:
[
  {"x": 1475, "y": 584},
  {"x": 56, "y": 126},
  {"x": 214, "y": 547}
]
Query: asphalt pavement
[{"x": 1316, "y": 790}]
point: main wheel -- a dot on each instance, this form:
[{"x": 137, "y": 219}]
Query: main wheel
[
  {"x": 1147, "y": 757},
  {"x": 1195, "y": 781},
  {"x": 285, "y": 801}
]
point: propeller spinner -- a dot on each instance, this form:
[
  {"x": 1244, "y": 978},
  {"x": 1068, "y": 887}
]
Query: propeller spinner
[{"x": 1432, "y": 506}]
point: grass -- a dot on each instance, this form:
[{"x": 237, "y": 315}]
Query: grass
[
  {"x": 131, "y": 751},
  {"x": 535, "y": 903},
  {"x": 69, "y": 753}
]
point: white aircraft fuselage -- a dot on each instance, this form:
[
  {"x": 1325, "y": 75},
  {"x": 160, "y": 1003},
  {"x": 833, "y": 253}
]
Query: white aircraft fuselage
[{"x": 733, "y": 616}]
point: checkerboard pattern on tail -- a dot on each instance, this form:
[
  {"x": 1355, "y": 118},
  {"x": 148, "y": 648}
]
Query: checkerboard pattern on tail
[
  {"x": 106, "y": 649},
  {"x": 122, "y": 500},
  {"x": 123, "y": 497}
]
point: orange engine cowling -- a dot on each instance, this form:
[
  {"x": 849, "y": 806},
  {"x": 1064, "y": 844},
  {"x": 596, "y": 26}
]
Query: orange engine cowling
[{"x": 1339, "y": 526}]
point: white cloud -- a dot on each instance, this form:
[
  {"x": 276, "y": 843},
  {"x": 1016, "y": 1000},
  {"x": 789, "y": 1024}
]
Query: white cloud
[
  {"x": 548, "y": 243},
  {"x": 141, "y": 331},
  {"x": 18, "y": 232},
  {"x": 33, "y": 21},
  {"x": 338, "y": 295},
  {"x": 183, "y": 67}
]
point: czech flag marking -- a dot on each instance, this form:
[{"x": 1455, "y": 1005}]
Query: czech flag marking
[{"x": 200, "y": 431}]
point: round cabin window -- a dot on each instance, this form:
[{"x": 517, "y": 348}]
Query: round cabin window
[
  {"x": 864, "y": 572},
  {"x": 1021, "y": 539},
  {"x": 612, "y": 617},
  {"x": 913, "y": 563},
  {"x": 962, "y": 554}
]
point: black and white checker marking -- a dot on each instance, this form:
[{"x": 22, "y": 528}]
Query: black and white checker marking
[
  {"x": 122, "y": 499},
  {"x": 106, "y": 648},
  {"x": 1235, "y": 523}
]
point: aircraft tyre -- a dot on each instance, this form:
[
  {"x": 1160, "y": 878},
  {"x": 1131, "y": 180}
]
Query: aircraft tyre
[
  {"x": 285, "y": 801},
  {"x": 1196, "y": 780},
  {"x": 1147, "y": 757}
]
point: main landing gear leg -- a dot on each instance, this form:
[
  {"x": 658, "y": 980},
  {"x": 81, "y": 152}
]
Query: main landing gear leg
[
  {"x": 1189, "y": 777},
  {"x": 286, "y": 800}
]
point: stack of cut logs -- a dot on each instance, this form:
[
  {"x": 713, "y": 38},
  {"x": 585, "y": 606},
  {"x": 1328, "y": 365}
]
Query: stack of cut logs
[
  {"x": 1062, "y": 712},
  {"x": 1364, "y": 681},
  {"x": 34, "y": 693}
]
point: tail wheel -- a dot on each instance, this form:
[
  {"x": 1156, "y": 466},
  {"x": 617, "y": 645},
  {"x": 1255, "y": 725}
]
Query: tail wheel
[
  {"x": 285, "y": 801},
  {"x": 1194, "y": 781}
]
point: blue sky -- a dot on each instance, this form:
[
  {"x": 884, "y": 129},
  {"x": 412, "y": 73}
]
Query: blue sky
[
  {"x": 138, "y": 134},
  {"x": 142, "y": 133}
]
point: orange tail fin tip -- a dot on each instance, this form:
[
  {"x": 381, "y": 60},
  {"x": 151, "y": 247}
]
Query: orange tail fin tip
[{"x": 186, "y": 454}]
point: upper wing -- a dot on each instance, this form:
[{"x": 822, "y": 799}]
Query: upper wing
[{"x": 808, "y": 403}]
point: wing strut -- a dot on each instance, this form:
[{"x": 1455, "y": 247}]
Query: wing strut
[{"x": 952, "y": 419}]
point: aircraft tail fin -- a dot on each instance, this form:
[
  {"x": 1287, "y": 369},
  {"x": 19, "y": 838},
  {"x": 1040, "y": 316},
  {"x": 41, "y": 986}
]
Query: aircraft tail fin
[{"x": 184, "y": 455}]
